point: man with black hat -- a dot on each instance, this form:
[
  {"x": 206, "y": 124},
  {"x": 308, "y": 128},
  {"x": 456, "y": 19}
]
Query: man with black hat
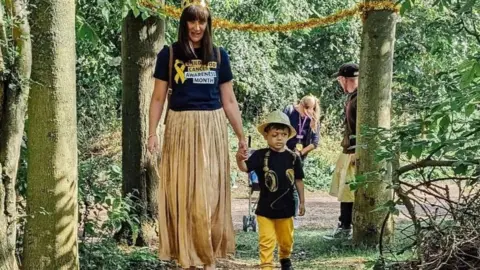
[{"x": 347, "y": 77}]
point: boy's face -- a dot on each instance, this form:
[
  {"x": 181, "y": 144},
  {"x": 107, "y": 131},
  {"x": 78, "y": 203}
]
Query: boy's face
[{"x": 277, "y": 138}]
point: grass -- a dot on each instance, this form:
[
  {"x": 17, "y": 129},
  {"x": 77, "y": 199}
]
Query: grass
[{"x": 310, "y": 251}]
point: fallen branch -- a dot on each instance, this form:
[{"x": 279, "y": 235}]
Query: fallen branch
[
  {"x": 437, "y": 196},
  {"x": 432, "y": 163}
]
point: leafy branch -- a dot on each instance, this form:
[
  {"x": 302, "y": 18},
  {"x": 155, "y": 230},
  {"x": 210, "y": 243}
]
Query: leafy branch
[{"x": 473, "y": 32}]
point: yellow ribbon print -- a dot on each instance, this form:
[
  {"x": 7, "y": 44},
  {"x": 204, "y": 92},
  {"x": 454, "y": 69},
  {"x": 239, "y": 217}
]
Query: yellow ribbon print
[{"x": 179, "y": 68}]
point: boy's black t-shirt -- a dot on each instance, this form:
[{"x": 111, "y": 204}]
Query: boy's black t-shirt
[{"x": 278, "y": 204}]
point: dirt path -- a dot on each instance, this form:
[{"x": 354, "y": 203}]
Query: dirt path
[{"x": 322, "y": 210}]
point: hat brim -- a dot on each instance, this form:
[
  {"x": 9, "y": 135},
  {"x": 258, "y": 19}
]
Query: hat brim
[
  {"x": 261, "y": 129},
  {"x": 337, "y": 74}
]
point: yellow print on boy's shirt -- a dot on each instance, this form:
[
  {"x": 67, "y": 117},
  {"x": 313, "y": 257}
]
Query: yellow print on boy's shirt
[{"x": 200, "y": 74}]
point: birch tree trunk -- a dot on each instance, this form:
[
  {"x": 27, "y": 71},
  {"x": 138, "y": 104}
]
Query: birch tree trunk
[
  {"x": 373, "y": 103},
  {"x": 51, "y": 230}
]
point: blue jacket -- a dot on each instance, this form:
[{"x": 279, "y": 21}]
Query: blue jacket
[{"x": 309, "y": 136}]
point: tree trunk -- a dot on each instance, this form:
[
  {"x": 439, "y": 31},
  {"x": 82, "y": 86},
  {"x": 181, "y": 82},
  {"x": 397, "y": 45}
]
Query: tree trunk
[
  {"x": 374, "y": 103},
  {"x": 141, "y": 42},
  {"x": 13, "y": 105},
  {"x": 51, "y": 230}
]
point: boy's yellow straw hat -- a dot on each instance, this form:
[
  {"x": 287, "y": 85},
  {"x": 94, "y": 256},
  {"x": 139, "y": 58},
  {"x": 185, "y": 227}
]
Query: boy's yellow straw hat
[{"x": 277, "y": 117}]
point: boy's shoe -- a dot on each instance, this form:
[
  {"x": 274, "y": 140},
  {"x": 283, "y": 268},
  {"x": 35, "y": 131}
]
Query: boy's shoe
[
  {"x": 286, "y": 264},
  {"x": 339, "y": 233}
]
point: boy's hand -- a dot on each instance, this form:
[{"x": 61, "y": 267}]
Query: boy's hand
[
  {"x": 241, "y": 155},
  {"x": 301, "y": 209}
]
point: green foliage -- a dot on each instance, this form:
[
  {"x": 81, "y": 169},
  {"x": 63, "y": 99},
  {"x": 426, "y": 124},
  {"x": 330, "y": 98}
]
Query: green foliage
[
  {"x": 140, "y": 8},
  {"x": 98, "y": 68},
  {"x": 107, "y": 255},
  {"x": 318, "y": 173},
  {"x": 104, "y": 209},
  {"x": 437, "y": 81},
  {"x": 103, "y": 255},
  {"x": 424, "y": 52}
]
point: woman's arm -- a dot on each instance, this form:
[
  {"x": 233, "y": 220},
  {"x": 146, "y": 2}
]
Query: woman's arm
[
  {"x": 230, "y": 106},
  {"x": 307, "y": 150},
  {"x": 156, "y": 107},
  {"x": 314, "y": 142}
]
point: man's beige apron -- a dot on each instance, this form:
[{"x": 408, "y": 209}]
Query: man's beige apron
[{"x": 344, "y": 173}]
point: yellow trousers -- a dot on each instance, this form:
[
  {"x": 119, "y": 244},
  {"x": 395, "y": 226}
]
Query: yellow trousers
[{"x": 271, "y": 232}]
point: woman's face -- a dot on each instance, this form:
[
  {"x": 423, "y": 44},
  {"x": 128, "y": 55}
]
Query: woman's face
[
  {"x": 196, "y": 30},
  {"x": 309, "y": 107}
]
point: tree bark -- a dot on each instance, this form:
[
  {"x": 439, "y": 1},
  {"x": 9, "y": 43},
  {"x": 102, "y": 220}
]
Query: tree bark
[
  {"x": 374, "y": 105},
  {"x": 141, "y": 42},
  {"x": 51, "y": 230},
  {"x": 13, "y": 104}
]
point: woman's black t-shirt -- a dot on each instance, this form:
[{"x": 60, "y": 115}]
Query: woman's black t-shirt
[{"x": 195, "y": 84}]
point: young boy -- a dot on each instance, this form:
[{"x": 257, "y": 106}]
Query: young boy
[{"x": 278, "y": 170}]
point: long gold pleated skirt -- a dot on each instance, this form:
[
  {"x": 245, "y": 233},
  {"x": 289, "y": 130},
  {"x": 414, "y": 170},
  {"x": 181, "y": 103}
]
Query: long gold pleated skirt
[{"x": 195, "y": 219}]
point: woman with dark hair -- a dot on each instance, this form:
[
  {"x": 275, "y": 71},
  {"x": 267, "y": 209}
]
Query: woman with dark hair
[{"x": 194, "y": 214}]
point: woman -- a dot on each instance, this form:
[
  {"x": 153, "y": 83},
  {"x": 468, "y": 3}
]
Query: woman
[
  {"x": 305, "y": 118},
  {"x": 195, "y": 223}
]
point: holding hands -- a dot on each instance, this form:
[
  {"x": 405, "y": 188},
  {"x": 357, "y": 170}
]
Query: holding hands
[{"x": 242, "y": 152}]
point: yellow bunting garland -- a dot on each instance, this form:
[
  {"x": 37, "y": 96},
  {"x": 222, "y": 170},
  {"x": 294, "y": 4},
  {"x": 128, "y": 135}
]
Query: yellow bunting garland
[{"x": 360, "y": 8}]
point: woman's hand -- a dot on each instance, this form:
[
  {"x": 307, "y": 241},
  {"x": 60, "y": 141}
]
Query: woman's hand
[
  {"x": 152, "y": 144},
  {"x": 242, "y": 155},
  {"x": 242, "y": 148}
]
